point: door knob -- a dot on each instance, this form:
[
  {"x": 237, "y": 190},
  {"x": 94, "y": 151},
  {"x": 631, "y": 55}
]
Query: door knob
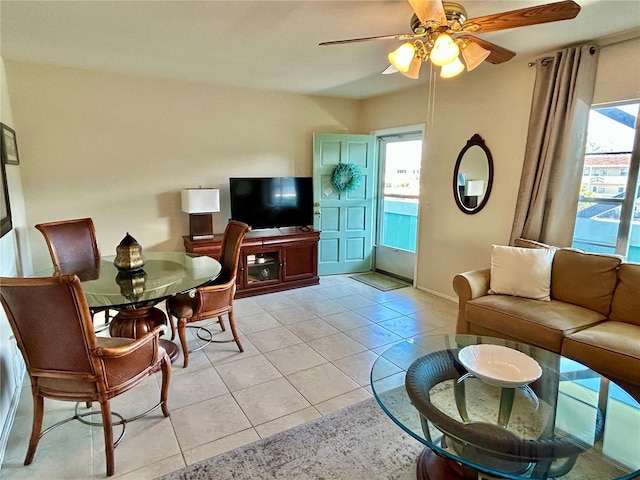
[
  {"x": 317, "y": 204},
  {"x": 317, "y": 212}
]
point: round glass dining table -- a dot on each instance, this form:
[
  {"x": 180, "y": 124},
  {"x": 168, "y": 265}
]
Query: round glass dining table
[
  {"x": 135, "y": 293},
  {"x": 570, "y": 423}
]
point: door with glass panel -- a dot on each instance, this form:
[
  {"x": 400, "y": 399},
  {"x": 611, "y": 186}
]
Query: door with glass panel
[
  {"x": 608, "y": 216},
  {"x": 400, "y": 157}
]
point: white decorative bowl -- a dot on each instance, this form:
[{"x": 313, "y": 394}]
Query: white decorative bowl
[{"x": 499, "y": 366}]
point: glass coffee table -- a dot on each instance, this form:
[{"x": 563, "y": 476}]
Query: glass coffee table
[{"x": 570, "y": 423}]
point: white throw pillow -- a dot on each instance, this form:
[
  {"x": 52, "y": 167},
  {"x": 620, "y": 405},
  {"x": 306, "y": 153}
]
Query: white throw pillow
[{"x": 522, "y": 272}]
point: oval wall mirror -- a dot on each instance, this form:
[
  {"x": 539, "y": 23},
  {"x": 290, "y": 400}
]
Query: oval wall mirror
[{"x": 473, "y": 176}]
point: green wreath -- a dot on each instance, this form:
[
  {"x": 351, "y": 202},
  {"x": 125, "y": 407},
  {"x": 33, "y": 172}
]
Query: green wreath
[{"x": 346, "y": 177}]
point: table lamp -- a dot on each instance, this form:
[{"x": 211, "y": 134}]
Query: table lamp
[
  {"x": 473, "y": 190},
  {"x": 200, "y": 203}
]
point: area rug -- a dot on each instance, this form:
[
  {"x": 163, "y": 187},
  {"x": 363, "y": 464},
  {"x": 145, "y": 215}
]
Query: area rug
[
  {"x": 380, "y": 281},
  {"x": 357, "y": 443}
]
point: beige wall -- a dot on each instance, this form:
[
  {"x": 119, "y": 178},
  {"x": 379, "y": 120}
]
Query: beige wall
[
  {"x": 15, "y": 260},
  {"x": 618, "y": 75},
  {"x": 493, "y": 101},
  {"x": 119, "y": 148}
]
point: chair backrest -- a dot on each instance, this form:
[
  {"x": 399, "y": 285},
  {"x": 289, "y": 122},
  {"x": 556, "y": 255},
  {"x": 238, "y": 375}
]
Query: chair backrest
[
  {"x": 50, "y": 319},
  {"x": 71, "y": 241},
  {"x": 230, "y": 255}
]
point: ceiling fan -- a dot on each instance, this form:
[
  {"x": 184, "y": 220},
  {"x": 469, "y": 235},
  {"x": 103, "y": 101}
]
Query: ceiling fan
[{"x": 440, "y": 32}]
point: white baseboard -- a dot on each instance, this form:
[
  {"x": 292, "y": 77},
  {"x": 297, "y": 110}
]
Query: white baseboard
[
  {"x": 438, "y": 294},
  {"x": 11, "y": 414}
]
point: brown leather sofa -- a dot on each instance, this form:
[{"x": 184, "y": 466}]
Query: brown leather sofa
[{"x": 593, "y": 316}]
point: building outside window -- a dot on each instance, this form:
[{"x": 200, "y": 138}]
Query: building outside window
[{"x": 608, "y": 216}]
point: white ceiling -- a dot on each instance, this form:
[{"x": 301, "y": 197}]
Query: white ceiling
[{"x": 265, "y": 44}]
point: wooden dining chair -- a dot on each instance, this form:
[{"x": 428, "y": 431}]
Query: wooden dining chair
[
  {"x": 73, "y": 244},
  {"x": 65, "y": 359},
  {"x": 214, "y": 299}
]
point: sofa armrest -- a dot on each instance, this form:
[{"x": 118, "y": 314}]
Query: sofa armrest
[{"x": 469, "y": 285}]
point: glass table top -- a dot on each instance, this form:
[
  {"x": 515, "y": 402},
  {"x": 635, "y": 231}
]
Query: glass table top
[
  {"x": 162, "y": 275},
  {"x": 571, "y": 423}
]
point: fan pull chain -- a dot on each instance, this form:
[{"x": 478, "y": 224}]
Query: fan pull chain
[{"x": 431, "y": 96}]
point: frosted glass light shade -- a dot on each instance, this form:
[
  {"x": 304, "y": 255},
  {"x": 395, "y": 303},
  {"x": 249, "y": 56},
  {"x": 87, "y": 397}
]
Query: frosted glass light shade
[
  {"x": 200, "y": 200},
  {"x": 474, "y": 55},
  {"x": 414, "y": 68},
  {"x": 402, "y": 57},
  {"x": 452, "y": 69},
  {"x": 474, "y": 188},
  {"x": 444, "y": 50}
]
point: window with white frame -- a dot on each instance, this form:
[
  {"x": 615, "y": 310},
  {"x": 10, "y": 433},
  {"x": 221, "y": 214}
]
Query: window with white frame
[{"x": 608, "y": 216}]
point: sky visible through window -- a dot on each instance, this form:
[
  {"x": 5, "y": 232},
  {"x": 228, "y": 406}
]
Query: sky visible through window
[{"x": 607, "y": 134}]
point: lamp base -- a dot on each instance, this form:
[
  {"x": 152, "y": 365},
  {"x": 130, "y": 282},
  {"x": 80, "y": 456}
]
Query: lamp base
[{"x": 200, "y": 226}]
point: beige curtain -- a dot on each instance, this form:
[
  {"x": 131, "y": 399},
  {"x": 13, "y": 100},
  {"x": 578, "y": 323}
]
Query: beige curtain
[{"x": 554, "y": 154}]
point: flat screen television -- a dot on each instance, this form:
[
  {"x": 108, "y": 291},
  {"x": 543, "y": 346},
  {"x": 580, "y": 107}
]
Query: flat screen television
[{"x": 272, "y": 202}]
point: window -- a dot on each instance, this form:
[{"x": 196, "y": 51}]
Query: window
[
  {"x": 608, "y": 216},
  {"x": 398, "y": 209}
]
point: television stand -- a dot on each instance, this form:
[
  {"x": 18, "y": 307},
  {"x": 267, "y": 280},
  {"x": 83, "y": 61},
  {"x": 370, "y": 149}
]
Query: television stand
[{"x": 271, "y": 259}]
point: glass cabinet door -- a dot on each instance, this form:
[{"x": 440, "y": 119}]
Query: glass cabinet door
[{"x": 262, "y": 267}]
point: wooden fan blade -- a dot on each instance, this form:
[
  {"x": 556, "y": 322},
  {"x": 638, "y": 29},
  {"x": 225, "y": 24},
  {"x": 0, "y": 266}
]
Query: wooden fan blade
[
  {"x": 551, "y": 12},
  {"x": 427, "y": 10},
  {"x": 399, "y": 36},
  {"x": 498, "y": 54}
]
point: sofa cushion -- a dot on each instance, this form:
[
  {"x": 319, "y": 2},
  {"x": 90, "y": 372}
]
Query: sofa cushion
[
  {"x": 524, "y": 272},
  {"x": 526, "y": 243},
  {"x": 625, "y": 306},
  {"x": 610, "y": 348},
  {"x": 584, "y": 279},
  {"x": 543, "y": 324}
]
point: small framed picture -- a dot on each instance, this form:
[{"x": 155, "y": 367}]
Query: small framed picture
[{"x": 9, "y": 146}]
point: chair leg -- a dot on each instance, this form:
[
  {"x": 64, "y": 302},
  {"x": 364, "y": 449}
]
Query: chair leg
[
  {"x": 38, "y": 413},
  {"x": 171, "y": 323},
  {"x": 232, "y": 324},
  {"x": 182, "y": 333},
  {"x": 164, "y": 390},
  {"x": 221, "y": 322},
  {"x": 108, "y": 436}
]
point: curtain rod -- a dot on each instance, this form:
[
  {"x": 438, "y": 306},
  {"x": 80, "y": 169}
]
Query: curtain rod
[{"x": 545, "y": 60}]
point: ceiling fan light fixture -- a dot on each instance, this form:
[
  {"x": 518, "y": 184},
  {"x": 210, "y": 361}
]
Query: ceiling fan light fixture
[
  {"x": 402, "y": 57},
  {"x": 414, "y": 68},
  {"x": 474, "y": 55},
  {"x": 444, "y": 50},
  {"x": 452, "y": 68}
]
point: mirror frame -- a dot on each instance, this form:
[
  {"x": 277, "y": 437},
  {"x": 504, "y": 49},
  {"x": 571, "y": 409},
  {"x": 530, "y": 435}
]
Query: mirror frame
[{"x": 475, "y": 141}]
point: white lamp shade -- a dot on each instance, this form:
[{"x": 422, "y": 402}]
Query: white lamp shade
[
  {"x": 474, "y": 55},
  {"x": 474, "y": 188},
  {"x": 444, "y": 50},
  {"x": 402, "y": 56},
  {"x": 200, "y": 200},
  {"x": 414, "y": 68},
  {"x": 452, "y": 69}
]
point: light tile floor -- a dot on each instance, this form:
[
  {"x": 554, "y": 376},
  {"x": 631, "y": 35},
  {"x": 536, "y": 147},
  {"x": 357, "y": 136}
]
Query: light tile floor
[{"x": 308, "y": 352}]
